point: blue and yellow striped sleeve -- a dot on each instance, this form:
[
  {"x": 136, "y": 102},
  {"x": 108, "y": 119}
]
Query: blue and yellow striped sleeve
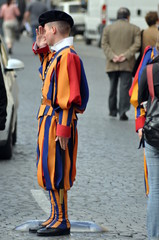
[
  {"x": 70, "y": 91},
  {"x": 140, "y": 112}
]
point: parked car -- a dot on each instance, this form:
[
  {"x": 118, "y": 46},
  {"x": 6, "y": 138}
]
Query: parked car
[
  {"x": 8, "y": 136},
  {"x": 77, "y": 12}
]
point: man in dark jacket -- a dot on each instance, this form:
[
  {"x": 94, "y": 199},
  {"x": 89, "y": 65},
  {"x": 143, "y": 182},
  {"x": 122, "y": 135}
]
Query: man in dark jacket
[{"x": 3, "y": 102}]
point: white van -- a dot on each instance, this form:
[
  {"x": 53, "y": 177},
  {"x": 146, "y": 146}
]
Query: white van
[
  {"x": 95, "y": 20},
  {"x": 103, "y": 12},
  {"x": 76, "y": 10}
]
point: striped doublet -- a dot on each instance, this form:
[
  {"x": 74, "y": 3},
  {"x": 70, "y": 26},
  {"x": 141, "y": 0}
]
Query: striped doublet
[{"x": 64, "y": 95}]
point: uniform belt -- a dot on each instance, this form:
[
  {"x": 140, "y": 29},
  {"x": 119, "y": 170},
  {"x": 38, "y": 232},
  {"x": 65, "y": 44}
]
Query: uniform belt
[{"x": 45, "y": 101}]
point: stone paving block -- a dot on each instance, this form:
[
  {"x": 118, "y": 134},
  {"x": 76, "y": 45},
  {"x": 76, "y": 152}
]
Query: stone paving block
[{"x": 109, "y": 187}]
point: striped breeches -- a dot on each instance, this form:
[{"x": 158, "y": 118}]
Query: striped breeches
[{"x": 49, "y": 160}]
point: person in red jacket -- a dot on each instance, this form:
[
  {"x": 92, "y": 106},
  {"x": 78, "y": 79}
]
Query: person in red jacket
[{"x": 64, "y": 95}]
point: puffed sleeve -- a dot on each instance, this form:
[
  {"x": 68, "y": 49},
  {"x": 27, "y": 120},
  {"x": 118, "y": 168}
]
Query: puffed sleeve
[
  {"x": 139, "y": 111},
  {"x": 69, "y": 91},
  {"x": 45, "y": 55},
  {"x": 42, "y": 52}
]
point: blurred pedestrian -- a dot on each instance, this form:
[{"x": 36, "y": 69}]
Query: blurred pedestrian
[
  {"x": 33, "y": 11},
  {"x": 48, "y": 4},
  {"x": 22, "y": 7},
  {"x": 149, "y": 37},
  {"x": 3, "y": 102},
  {"x": 9, "y": 12},
  {"x": 120, "y": 48},
  {"x": 64, "y": 94}
]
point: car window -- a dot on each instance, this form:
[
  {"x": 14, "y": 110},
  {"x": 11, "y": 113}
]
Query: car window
[{"x": 75, "y": 9}]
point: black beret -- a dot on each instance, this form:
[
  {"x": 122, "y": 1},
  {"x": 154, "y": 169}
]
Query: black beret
[{"x": 54, "y": 16}]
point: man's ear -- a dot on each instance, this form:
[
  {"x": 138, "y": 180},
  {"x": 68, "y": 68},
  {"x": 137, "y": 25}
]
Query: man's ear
[{"x": 54, "y": 29}]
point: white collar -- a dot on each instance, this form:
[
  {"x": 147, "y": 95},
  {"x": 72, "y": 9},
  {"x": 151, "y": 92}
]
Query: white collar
[{"x": 63, "y": 43}]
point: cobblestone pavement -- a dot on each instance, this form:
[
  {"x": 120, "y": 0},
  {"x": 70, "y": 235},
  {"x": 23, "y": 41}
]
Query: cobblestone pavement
[{"x": 109, "y": 187}]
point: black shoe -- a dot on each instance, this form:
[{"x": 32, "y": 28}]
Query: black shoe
[
  {"x": 112, "y": 114},
  {"x": 123, "y": 117},
  {"x": 36, "y": 228},
  {"x": 53, "y": 231}
]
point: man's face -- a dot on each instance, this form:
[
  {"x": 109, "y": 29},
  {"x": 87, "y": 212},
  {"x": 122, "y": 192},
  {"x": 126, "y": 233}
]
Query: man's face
[{"x": 49, "y": 34}]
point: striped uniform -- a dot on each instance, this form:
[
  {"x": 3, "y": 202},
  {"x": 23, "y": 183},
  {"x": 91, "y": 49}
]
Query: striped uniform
[
  {"x": 148, "y": 56},
  {"x": 64, "y": 93}
]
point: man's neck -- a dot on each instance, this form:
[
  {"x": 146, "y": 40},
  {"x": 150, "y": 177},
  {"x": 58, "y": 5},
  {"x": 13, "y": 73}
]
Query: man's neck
[
  {"x": 68, "y": 41},
  {"x": 59, "y": 38}
]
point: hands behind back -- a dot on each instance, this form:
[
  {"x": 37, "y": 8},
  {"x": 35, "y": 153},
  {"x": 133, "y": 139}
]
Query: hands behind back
[{"x": 119, "y": 59}]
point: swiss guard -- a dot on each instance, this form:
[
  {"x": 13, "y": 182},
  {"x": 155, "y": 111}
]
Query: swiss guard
[
  {"x": 149, "y": 56},
  {"x": 64, "y": 94}
]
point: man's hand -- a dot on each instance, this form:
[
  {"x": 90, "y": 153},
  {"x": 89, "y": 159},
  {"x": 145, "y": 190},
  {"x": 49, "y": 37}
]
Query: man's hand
[
  {"x": 116, "y": 59},
  {"x": 140, "y": 133},
  {"x": 122, "y": 58},
  {"x": 119, "y": 59},
  {"x": 63, "y": 142},
  {"x": 40, "y": 37}
]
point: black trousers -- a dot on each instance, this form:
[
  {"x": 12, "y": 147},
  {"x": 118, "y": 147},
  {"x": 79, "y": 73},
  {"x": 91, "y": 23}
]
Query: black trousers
[{"x": 124, "y": 86}]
